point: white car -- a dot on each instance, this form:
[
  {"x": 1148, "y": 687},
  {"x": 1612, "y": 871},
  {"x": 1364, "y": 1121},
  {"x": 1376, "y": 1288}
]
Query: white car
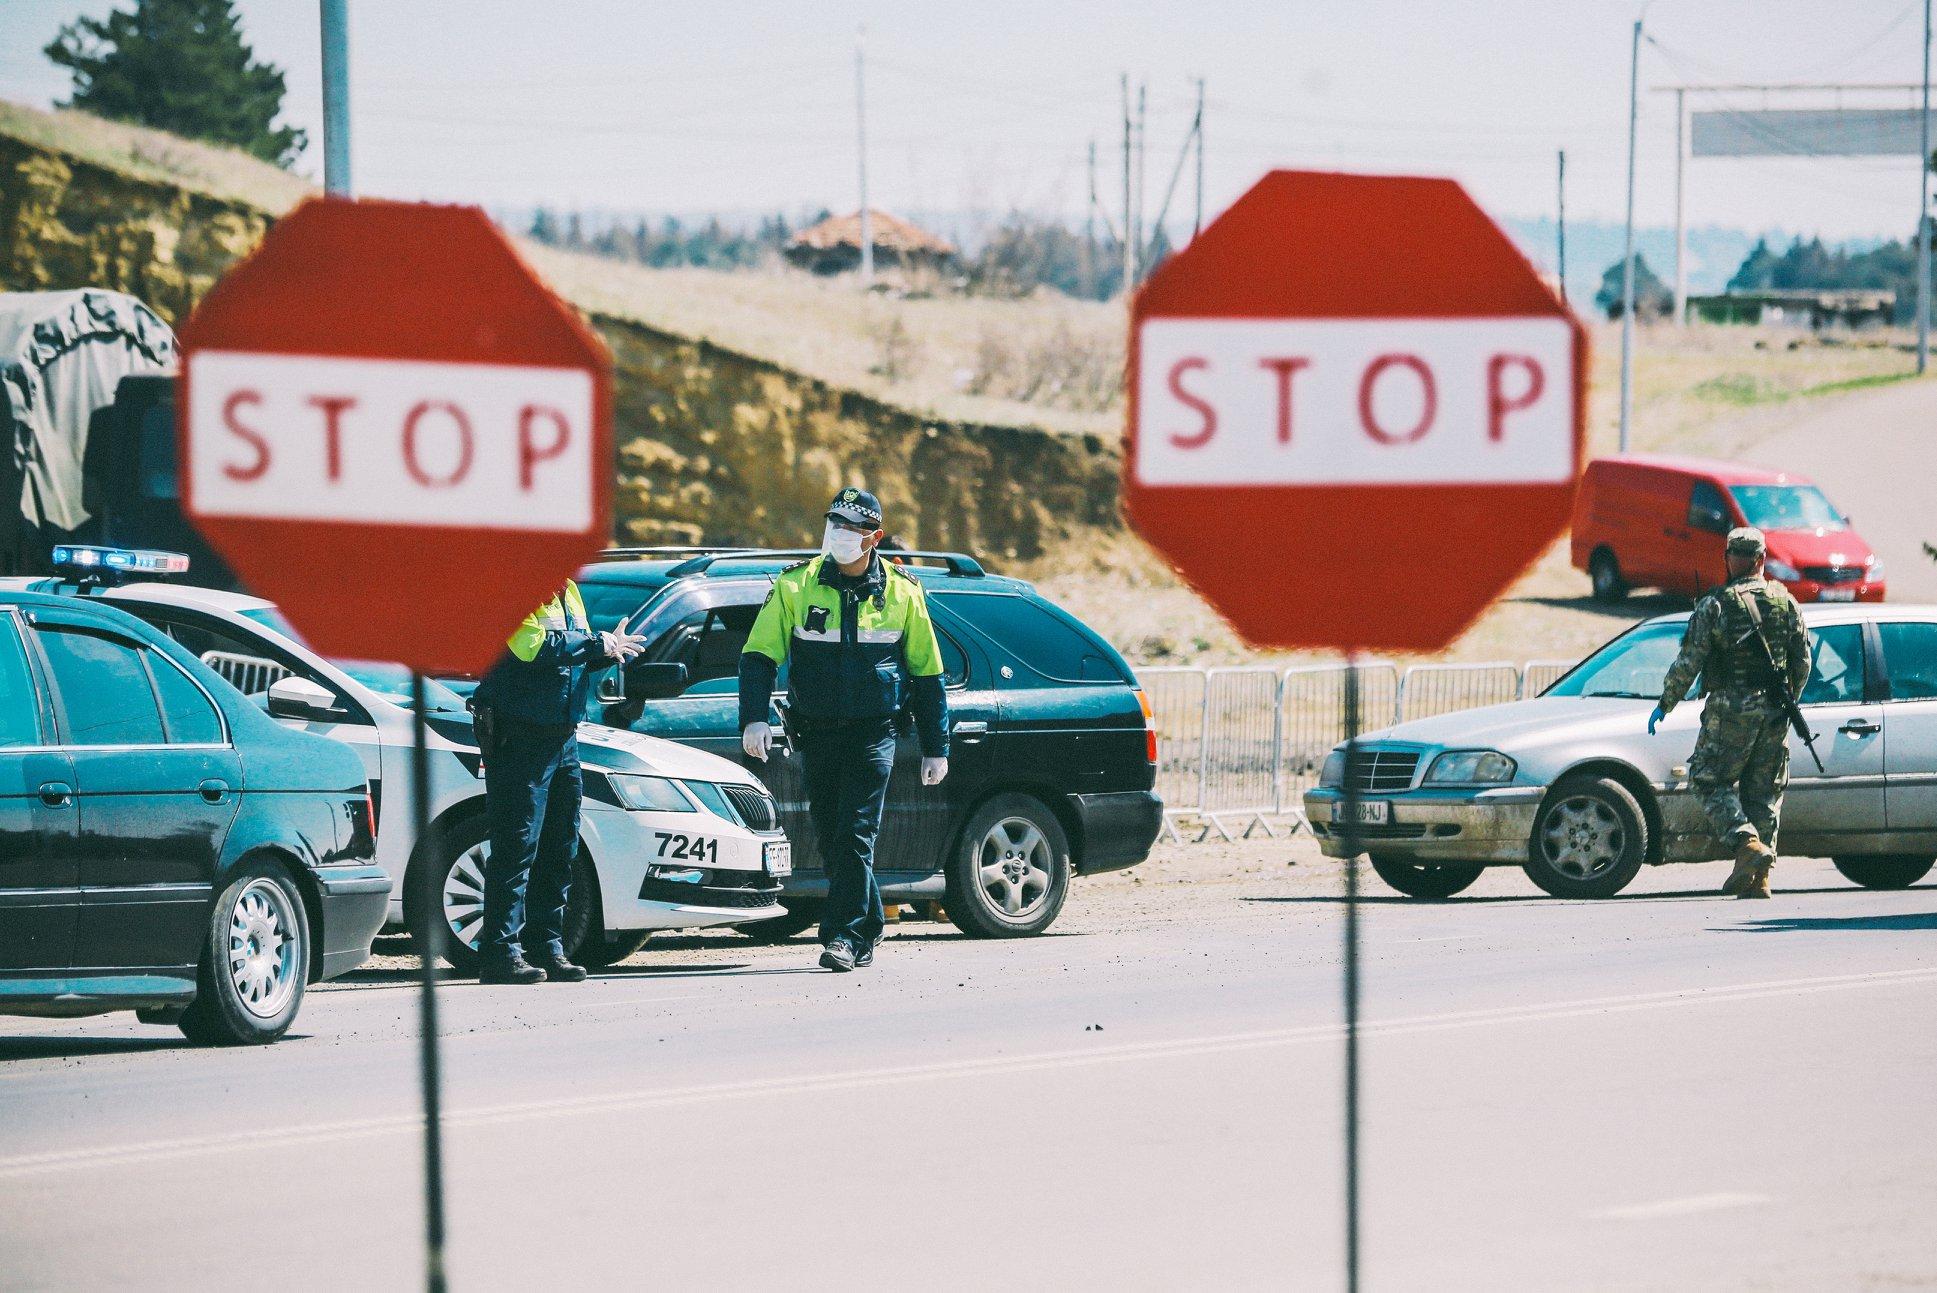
[
  {"x": 1571, "y": 786},
  {"x": 670, "y": 838}
]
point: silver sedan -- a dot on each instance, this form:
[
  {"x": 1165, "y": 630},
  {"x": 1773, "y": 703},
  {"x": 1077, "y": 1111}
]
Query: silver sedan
[{"x": 1570, "y": 786}]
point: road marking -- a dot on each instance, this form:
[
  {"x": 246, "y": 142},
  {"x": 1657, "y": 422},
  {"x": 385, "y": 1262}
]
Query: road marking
[
  {"x": 22, "y": 1165},
  {"x": 1441, "y": 938},
  {"x": 1689, "y": 1206}
]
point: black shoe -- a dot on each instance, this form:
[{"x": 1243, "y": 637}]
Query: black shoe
[
  {"x": 864, "y": 957},
  {"x": 560, "y": 970},
  {"x": 838, "y": 957},
  {"x": 515, "y": 970}
]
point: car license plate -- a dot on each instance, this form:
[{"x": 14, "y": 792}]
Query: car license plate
[
  {"x": 1837, "y": 595},
  {"x": 779, "y": 857},
  {"x": 1367, "y": 812}
]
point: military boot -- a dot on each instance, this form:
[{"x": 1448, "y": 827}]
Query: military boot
[
  {"x": 1758, "y": 886},
  {"x": 1750, "y": 855}
]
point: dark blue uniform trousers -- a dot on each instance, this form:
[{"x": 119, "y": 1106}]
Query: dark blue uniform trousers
[
  {"x": 532, "y": 788},
  {"x": 846, "y": 767}
]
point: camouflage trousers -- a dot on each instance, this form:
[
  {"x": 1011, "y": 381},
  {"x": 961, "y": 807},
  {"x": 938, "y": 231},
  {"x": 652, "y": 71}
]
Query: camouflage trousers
[{"x": 1741, "y": 764}]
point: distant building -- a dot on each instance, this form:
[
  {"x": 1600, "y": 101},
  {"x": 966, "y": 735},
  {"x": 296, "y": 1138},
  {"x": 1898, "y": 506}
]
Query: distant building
[
  {"x": 1798, "y": 308},
  {"x": 834, "y": 245}
]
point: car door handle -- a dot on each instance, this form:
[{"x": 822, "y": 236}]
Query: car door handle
[
  {"x": 214, "y": 789},
  {"x": 56, "y": 794},
  {"x": 970, "y": 732},
  {"x": 1861, "y": 727}
]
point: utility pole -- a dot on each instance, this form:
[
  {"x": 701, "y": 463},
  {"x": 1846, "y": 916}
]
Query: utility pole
[
  {"x": 1923, "y": 214},
  {"x": 1561, "y": 253},
  {"x": 1129, "y": 245},
  {"x": 861, "y": 142},
  {"x": 1197, "y": 220},
  {"x": 1627, "y": 260},
  {"x": 336, "y": 98},
  {"x": 1143, "y": 102},
  {"x": 1681, "y": 208},
  {"x": 1089, "y": 231}
]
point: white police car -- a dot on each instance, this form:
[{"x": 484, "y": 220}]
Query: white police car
[{"x": 670, "y": 838}]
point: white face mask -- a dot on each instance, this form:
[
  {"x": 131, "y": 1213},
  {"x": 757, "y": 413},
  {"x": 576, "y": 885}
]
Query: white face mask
[{"x": 844, "y": 546}]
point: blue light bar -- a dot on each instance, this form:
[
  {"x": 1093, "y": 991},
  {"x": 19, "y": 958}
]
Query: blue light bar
[{"x": 139, "y": 561}]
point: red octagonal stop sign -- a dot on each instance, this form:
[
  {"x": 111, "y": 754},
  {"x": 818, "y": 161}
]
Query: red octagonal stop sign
[
  {"x": 1356, "y": 412},
  {"x": 392, "y": 428}
]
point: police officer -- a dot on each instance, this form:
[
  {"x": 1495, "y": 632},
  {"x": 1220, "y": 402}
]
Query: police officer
[
  {"x": 862, "y": 648},
  {"x": 1741, "y": 760},
  {"x": 528, "y": 707}
]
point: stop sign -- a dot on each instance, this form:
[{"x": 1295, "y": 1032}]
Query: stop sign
[
  {"x": 392, "y": 428},
  {"x": 1356, "y": 412}
]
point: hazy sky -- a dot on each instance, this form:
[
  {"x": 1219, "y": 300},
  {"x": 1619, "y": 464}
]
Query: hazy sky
[{"x": 989, "y": 105}]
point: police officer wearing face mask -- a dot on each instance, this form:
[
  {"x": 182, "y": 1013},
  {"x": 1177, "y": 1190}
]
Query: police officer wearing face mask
[{"x": 862, "y": 649}]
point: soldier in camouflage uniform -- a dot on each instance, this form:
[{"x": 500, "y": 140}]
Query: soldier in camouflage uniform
[{"x": 1741, "y": 760}]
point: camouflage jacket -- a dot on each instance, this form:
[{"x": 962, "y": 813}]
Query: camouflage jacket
[{"x": 1716, "y": 642}]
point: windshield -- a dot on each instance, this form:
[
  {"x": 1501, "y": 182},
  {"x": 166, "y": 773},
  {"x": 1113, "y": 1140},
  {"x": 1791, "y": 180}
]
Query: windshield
[
  {"x": 390, "y": 681},
  {"x": 1787, "y": 507},
  {"x": 1632, "y": 667}
]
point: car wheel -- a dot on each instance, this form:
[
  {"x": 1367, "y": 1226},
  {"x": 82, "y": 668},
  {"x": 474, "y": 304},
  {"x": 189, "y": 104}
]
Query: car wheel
[
  {"x": 1010, "y": 870},
  {"x": 613, "y": 946},
  {"x": 1589, "y": 841},
  {"x": 1418, "y": 881},
  {"x": 255, "y": 963},
  {"x": 1885, "y": 872},
  {"x": 464, "y": 849},
  {"x": 1605, "y": 570},
  {"x": 801, "y": 915}
]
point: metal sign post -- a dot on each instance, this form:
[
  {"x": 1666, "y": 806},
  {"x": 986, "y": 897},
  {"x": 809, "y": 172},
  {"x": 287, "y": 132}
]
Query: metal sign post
[
  {"x": 430, "y": 916},
  {"x": 1351, "y": 833}
]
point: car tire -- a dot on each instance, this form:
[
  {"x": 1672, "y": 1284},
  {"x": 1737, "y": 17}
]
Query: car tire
[
  {"x": 461, "y": 850},
  {"x": 1604, "y": 569},
  {"x": 613, "y": 946},
  {"x": 1420, "y": 881},
  {"x": 255, "y": 962},
  {"x": 1885, "y": 872},
  {"x": 801, "y": 915},
  {"x": 1009, "y": 872},
  {"x": 1589, "y": 840}
]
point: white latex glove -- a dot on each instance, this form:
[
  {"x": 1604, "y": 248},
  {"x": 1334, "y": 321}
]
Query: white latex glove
[
  {"x": 757, "y": 740},
  {"x": 933, "y": 770},
  {"x": 622, "y": 646}
]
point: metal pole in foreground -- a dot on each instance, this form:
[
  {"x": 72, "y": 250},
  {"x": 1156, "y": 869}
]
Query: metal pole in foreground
[
  {"x": 1350, "y": 803},
  {"x": 430, "y": 911},
  {"x": 336, "y": 98},
  {"x": 1627, "y": 259},
  {"x": 1923, "y": 213}
]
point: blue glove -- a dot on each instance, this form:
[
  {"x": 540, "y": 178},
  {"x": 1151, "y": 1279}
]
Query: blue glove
[{"x": 1654, "y": 719}]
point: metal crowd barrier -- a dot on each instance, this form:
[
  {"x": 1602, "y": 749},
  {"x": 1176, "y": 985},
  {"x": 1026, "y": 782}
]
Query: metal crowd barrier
[
  {"x": 248, "y": 674},
  {"x": 1429, "y": 689},
  {"x": 1242, "y": 745}
]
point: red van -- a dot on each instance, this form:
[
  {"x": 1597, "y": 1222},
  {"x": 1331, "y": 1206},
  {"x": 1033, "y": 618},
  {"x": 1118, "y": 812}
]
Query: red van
[{"x": 1643, "y": 521}]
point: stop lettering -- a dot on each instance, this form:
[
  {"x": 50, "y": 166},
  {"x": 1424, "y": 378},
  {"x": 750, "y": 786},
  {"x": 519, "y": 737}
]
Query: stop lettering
[
  {"x": 1355, "y": 402},
  {"x": 391, "y": 441}
]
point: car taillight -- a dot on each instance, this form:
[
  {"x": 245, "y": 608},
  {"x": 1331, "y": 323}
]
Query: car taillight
[
  {"x": 370, "y": 813},
  {"x": 1149, "y": 727}
]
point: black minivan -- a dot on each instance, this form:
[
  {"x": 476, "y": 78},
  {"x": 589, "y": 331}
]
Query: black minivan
[
  {"x": 1053, "y": 748},
  {"x": 165, "y": 846}
]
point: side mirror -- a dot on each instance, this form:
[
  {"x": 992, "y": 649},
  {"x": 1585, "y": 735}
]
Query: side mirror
[
  {"x": 641, "y": 681},
  {"x": 299, "y": 698}
]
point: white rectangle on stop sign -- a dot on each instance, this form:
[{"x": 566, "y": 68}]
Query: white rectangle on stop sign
[
  {"x": 386, "y": 441},
  {"x": 1355, "y": 401}
]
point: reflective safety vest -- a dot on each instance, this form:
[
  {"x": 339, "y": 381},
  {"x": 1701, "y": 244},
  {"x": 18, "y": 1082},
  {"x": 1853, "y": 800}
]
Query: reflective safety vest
[
  {"x": 857, "y": 648},
  {"x": 542, "y": 677}
]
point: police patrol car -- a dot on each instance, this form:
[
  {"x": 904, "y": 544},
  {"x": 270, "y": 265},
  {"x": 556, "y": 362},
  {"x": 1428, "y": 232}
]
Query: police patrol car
[{"x": 670, "y": 838}]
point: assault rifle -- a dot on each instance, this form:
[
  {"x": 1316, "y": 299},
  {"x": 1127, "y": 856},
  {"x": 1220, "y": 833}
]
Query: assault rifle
[{"x": 1764, "y": 661}]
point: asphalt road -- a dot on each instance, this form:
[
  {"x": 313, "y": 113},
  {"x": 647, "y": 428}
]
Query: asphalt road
[
  {"x": 1670, "y": 1090},
  {"x": 1871, "y": 452}
]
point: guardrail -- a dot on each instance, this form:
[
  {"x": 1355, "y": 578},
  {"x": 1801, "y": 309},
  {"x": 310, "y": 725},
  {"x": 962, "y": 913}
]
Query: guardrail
[{"x": 1240, "y": 746}]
